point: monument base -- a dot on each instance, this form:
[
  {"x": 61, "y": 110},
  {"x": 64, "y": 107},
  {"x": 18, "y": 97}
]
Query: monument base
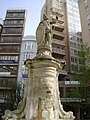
[{"x": 41, "y": 99}]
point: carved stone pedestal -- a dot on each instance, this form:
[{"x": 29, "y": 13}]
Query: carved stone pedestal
[{"x": 42, "y": 99}]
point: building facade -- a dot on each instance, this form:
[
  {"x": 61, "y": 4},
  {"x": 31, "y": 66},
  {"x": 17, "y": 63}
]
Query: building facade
[
  {"x": 74, "y": 40},
  {"x": 84, "y": 7},
  {"x": 54, "y": 11},
  {"x": 74, "y": 45},
  {"x": 28, "y": 51},
  {"x": 10, "y": 45}
]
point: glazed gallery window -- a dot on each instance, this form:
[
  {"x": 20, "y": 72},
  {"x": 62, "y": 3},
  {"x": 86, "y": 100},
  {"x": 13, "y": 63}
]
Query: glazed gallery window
[
  {"x": 12, "y": 30},
  {"x": 16, "y": 15},
  {"x": 13, "y": 22},
  {"x": 9, "y": 48},
  {"x": 9, "y": 58},
  {"x": 12, "y": 39}
]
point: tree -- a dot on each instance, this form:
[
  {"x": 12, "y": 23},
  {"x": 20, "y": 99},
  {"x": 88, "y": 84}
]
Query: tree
[{"x": 83, "y": 72}]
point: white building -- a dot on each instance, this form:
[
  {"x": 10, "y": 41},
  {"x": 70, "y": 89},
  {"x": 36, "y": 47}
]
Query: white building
[{"x": 28, "y": 51}]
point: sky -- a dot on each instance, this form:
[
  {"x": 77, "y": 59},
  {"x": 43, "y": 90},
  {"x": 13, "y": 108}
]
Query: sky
[{"x": 33, "y": 8}]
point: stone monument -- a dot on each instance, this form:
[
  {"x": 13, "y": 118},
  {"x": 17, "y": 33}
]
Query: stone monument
[{"x": 41, "y": 99}]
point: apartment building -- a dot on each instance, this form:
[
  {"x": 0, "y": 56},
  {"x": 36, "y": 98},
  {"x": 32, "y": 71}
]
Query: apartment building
[
  {"x": 10, "y": 45},
  {"x": 54, "y": 11},
  {"x": 28, "y": 51},
  {"x": 74, "y": 44},
  {"x": 84, "y": 7}
]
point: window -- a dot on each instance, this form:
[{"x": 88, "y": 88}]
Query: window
[
  {"x": 12, "y": 30},
  {"x": 11, "y": 39},
  {"x": 13, "y": 22},
  {"x": 9, "y": 48},
  {"x": 72, "y": 59},
  {"x": 15, "y": 15},
  {"x": 73, "y": 52},
  {"x": 72, "y": 44},
  {"x": 28, "y": 45}
]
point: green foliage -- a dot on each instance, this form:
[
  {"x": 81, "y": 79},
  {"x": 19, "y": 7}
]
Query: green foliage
[
  {"x": 83, "y": 73},
  {"x": 73, "y": 93}
]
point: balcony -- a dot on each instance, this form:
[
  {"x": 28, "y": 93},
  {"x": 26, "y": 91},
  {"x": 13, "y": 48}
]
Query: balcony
[
  {"x": 7, "y": 74},
  {"x": 15, "y": 14},
  {"x": 58, "y": 51},
  {"x": 55, "y": 31},
  {"x": 11, "y": 18},
  {"x": 58, "y": 27},
  {"x": 10, "y": 43},
  {"x": 10, "y": 39},
  {"x": 10, "y": 49},
  {"x": 13, "y": 26},
  {"x": 8, "y": 64},
  {"x": 57, "y": 11},
  {"x": 9, "y": 53},
  {"x": 58, "y": 35},
  {"x": 12, "y": 34},
  {"x": 60, "y": 42}
]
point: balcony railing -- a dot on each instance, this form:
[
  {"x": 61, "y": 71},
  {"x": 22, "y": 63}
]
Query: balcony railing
[
  {"x": 9, "y": 53},
  {"x": 58, "y": 33},
  {"x": 57, "y": 11},
  {"x": 10, "y": 43},
  {"x": 58, "y": 51},
  {"x": 11, "y": 39},
  {"x": 12, "y": 30},
  {"x": 9, "y": 48},
  {"x": 58, "y": 27},
  {"x": 60, "y": 42}
]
